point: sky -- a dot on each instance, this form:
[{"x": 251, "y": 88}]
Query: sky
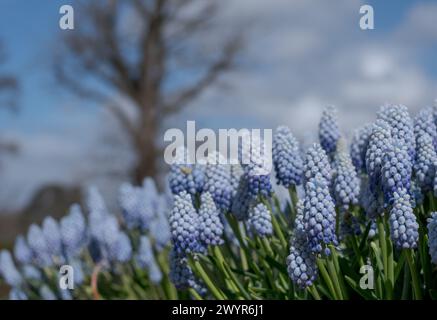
[{"x": 299, "y": 57}]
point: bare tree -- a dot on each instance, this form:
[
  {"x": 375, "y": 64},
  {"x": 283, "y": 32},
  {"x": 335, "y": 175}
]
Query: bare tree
[
  {"x": 158, "y": 54},
  {"x": 8, "y": 88},
  {"x": 8, "y": 83}
]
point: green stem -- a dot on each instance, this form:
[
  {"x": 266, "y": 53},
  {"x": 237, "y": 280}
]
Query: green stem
[
  {"x": 313, "y": 291},
  {"x": 275, "y": 224},
  {"x": 431, "y": 201},
  {"x": 195, "y": 294},
  {"x": 338, "y": 271},
  {"x": 382, "y": 244},
  {"x": 327, "y": 278},
  {"x": 390, "y": 268},
  {"x": 414, "y": 275},
  {"x": 406, "y": 284},
  {"x": 334, "y": 277},
  {"x": 267, "y": 246},
  {"x": 293, "y": 200},
  {"x": 169, "y": 288},
  {"x": 216, "y": 292},
  {"x": 239, "y": 285},
  {"x": 385, "y": 258},
  {"x": 221, "y": 264}
]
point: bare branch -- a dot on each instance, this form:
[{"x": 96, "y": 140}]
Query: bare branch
[
  {"x": 223, "y": 64},
  {"x": 124, "y": 121},
  {"x": 98, "y": 63},
  {"x": 8, "y": 82}
]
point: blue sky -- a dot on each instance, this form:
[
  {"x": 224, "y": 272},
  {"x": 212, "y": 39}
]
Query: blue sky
[
  {"x": 316, "y": 55},
  {"x": 29, "y": 29}
]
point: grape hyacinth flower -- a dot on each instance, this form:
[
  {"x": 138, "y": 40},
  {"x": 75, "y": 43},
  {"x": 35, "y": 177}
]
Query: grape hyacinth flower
[
  {"x": 17, "y": 294},
  {"x": 185, "y": 176},
  {"x": 159, "y": 226},
  {"x": 46, "y": 293},
  {"x": 424, "y": 123},
  {"x": 65, "y": 294},
  {"x": 358, "y": 147},
  {"x": 372, "y": 202},
  {"x": 236, "y": 174},
  {"x": 416, "y": 194},
  {"x": 349, "y": 224},
  {"x": 95, "y": 203},
  {"x": 146, "y": 259},
  {"x": 320, "y": 215},
  {"x": 426, "y": 159},
  {"x": 120, "y": 250},
  {"x": 184, "y": 222},
  {"x": 378, "y": 142},
  {"x": 256, "y": 161},
  {"x": 8, "y": 270},
  {"x": 218, "y": 181},
  {"x": 242, "y": 200},
  {"x": 30, "y": 272},
  {"x": 108, "y": 242},
  {"x": 396, "y": 170},
  {"x": 73, "y": 232},
  {"x": 130, "y": 204},
  {"x": 52, "y": 234},
  {"x": 346, "y": 183},
  {"x": 181, "y": 274},
  {"x": 210, "y": 225},
  {"x": 138, "y": 205},
  {"x": 286, "y": 158},
  {"x": 329, "y": 132},
  {"x": 432, "y": 237},
  {"x": 38, "y": 244},
  {"x": 299, "y": 221},
  {"x": 259, "y": 185},
  {"x": 317, "y": 164},
  {"x": 79, "y": 276},
  {"x": 402, "y": 128},
  {"x": 22, "y": 252},
  {"x": 149, "y": 196},
  {"x": 301, "y": 262},
  {"x": 403, "y": 225},
  {"x": 260, "y": 220},
  {"x": 373, "y": 231}
]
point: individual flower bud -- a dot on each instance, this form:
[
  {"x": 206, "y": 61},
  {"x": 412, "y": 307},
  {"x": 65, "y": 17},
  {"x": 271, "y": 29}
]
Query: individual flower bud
[
  {"x": 316, "y": 164},
  {"x": 358, "y": 147},
  {"x": 329, "y": 132},
  {"x": 184, "y": 222},
  {"x": 287, "y": 158},
  {"x": 8, "y": 270},
  {"x": 403, "y": 225},
  {"x": 210, "y": 226},
  {"x": 260, "y": 220},
  {"x": 320, "y": 215}
]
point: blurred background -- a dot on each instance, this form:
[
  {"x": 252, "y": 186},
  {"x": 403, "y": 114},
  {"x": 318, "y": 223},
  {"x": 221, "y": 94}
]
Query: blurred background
[{"x": 89, "y": 106}]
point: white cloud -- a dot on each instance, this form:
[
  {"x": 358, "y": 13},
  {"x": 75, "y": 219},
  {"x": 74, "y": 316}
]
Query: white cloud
[
  {"x": 303, "y": 55},
  {"x": 420, "y": 24}
]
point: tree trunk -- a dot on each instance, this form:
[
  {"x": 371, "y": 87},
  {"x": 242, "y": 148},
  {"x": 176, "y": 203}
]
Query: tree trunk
[
  {"x": 146, "y": 162},
  {"x": 146, "y": 149}
]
